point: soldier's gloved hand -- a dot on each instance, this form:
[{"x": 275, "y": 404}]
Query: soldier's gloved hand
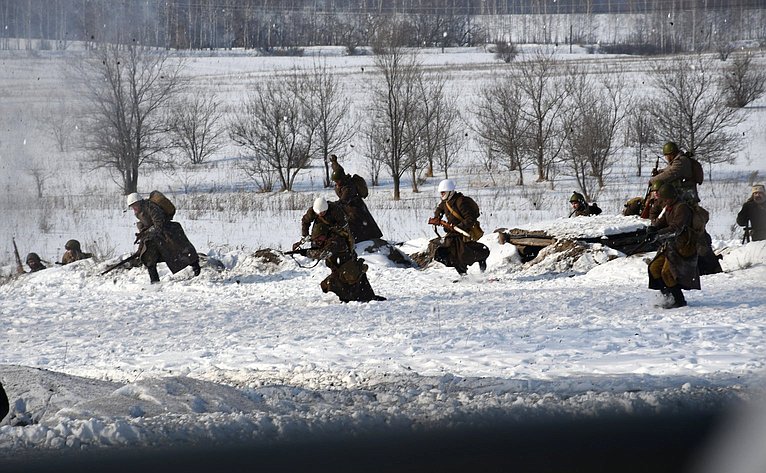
[{"x": 433, "y": 221}]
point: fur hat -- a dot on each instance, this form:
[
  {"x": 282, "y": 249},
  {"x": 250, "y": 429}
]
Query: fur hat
[{"x": 758, "y": 188}]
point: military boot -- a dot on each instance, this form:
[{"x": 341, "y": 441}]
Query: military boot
[
  {"x": 667, "y": 298},
  {"x": 154, "y": 276},
  {"x": 678, "y": 298}
]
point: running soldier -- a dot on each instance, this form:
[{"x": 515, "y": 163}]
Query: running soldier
[
  {"x": 161, "y": 239},
  {"x": 325, "y": 225},
  {"x": 351, "y": 193},
  {"x": 459, "y": 248},
  {"x": 674, "y": 268}
]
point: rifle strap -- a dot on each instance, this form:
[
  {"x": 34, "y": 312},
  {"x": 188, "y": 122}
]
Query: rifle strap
[{"x": 454, "y": 212}]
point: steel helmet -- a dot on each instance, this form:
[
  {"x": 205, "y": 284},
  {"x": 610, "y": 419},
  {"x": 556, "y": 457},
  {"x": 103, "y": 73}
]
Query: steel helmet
[
  {"x": 72, "y": 245},
  {"x": 447, "y": 185},
  {"x": 33, "y": 257},
  {"x": 577, "y": 197},
  {"x": 320, "y": 205},
  {"x": 669, "y": 148},
  {"x": 133, "y": 198}
]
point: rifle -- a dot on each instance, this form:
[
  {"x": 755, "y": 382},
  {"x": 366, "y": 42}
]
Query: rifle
[
  {"x": 435, "y": 221},
  {"x": 116, "y": 265},
  {"x": 645, "y": 203},
  {"x": 299, "y": 251},
  {"x": 654, "y": 238},
  {"x": 745, "y": 236},
  {"x": 19, "y": 266}
]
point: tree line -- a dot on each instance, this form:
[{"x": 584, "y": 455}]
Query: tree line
[
  {"x": 274, "y": 26},
  {"x": 538, "y": 114}
]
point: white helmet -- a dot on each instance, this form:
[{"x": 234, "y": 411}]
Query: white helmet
[
  {"x": 320, "y": 205},
  {"x": 447, "y": 185},
  {"x": 133, "y": 198}
]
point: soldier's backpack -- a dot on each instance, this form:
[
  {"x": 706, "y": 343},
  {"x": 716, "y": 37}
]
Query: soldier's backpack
[
  {"x": 698, "y": 174},
  {"x": 361, "y": 186},
  {"x": 165, "y": 204}
]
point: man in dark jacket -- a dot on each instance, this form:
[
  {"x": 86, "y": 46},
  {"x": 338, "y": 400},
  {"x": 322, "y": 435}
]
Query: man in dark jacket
[
  {"x": 362, "y": 225},
  {"x": 73, "y": 252},
  {"x": 754, "y": 212},
  {"x": 34, "y": 262},
  {"x": 580, "y": 208},
  {"x": 678, "y": 172},
  {"x": 675, "y": 266},
  {"x": 325, "y": 225},
  {"x": 161, "y": 239},
  {"x": 459, "y": 248}
]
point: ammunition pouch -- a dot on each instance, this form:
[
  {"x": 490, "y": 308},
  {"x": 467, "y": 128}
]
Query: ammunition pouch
[{"x": 476, "y": 232}]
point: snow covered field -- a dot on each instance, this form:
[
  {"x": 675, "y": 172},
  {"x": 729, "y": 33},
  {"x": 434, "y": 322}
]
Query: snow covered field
[{"x": 258, "y": 352}]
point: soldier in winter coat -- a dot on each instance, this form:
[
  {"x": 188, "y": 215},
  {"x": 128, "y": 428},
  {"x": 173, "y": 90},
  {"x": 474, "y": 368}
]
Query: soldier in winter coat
[
  {"x": 678, "y": 172},
  {"x": 362, "y": 225},
  {"x": 580, "y": 208},
  {"x": 456, "y": 249},
  {"x": 754, "y": 212},
  {"x": 675, "y": 266},
  {"x": 34, "y": 262},
  {"x": 161, "y": 239},
  {"x": 325, "y": 225},
  {"x": 73, "y": 252}
]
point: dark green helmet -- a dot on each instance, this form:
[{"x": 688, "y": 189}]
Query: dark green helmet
[
  {"x": 656, "y": 185},
  {"x": 33, "y": 257},
  {"x": 669, "y": 148},
  {"x": 338, "y": 175},
  {"x": 577, "y": 197},
  {"x": 72, "y": 245},
  {"x": 668, "y": 191}
]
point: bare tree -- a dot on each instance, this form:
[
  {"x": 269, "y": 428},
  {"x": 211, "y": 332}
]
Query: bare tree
[
  {"x": 195, "y": 127},
  {"x": 439, "y": 136},
  {"x": 743, "y": 83},
  {"x": 499, "y": 126},
  {"x": 328, "y": 109},
  {"x": 395, "y": 107},
  {"x": 690, "y": 108},
  {"x": 544, "y": 92},
  {"x": 506, "y": 50},
  {"x": 641, "y": 132},
  {"x": 594, "y": 116},
  {"x": 272, "y": 125},
  {"x": 56, "y": 118},
  {"x": 127, "y": 89},
  {"x": 40, "y": 174}
]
